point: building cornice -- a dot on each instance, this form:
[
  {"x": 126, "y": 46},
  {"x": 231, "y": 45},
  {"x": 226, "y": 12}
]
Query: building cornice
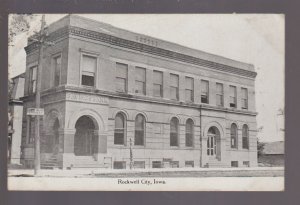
[{"x": 144, "y": 48}]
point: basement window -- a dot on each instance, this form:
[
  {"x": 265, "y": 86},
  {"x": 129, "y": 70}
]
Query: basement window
[
  {"x": 234, "y": 164},
  {"x": 119, "y": 165}
]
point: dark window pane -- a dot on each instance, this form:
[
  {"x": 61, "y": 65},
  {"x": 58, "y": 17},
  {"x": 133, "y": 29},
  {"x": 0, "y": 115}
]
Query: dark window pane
[
  {"x": 119, "y": 138},
  {"x": 157, "y": 90},
  {"x": 119, "y": 165},
  {"x": 174, "y": 139},
  {"x": 204, "y": 99},
  {"x": 87, "y": 80},
  {"x": 140, "y": 87},
  {"x": 234, "y": 163},
  {"x": 57, "y": 70},
  {"x": 139, "y": 138},
  {"x": 121, "y": 85},
  {"x": 156, "y": 164},
  {"x": 189, "y": 163},
  {"x": 174, "y": 93},
  {"x": 119, "y": 134},
  {"x": 139, "y": 165}
]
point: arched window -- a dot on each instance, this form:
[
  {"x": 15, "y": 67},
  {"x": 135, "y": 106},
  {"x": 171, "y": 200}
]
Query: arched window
[
  {"x": 245, "y": 135},
  {"x": 234, "y": 136},
  {"x": 174, "y": 132},
  {"x": 189, "y": 133},
  {"x": 120, "y": 130},
  {"x": 139, "y": 133}
]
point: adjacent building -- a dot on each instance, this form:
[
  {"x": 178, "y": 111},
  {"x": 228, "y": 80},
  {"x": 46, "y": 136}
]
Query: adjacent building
[
  {"x": 119, "y": 99},
  {"x": 15, "y": 118}
]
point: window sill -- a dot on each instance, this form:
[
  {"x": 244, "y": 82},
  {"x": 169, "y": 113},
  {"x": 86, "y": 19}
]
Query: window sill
[
  {"x": 139, "y": 146},
  {"x": 119, "y": 145}
]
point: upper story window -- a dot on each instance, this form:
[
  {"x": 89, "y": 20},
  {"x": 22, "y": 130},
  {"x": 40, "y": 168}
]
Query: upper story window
[
  {"x": 57, "y": 70},
  {"x": 157, "y": 84},
  {"x": 189, "y": 133},
  {"x": 32, "y": 79},
  {"x": 174, "y": 87},
  {"x": 245, "y": 136},
  {"x": 121, "y": 77},
  {"x": 232, "y": 96},
  {"x": 204, "y": 91},
  {"x": 189, "y": 89},
  {"x": 234, "y": 136},
  {"x": 139, "y": 134},
  {"x": 89, "y": 65},
  {"x": 244, "y": 98},
  {"x": 219, "y": 94},
  {"x": 120, "y": 129},
  {"x": 140, "y": 80},
  {"x": 174, "y": 132}
]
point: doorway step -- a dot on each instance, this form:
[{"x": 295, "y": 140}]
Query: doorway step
[{"x": 50, "y": 163}]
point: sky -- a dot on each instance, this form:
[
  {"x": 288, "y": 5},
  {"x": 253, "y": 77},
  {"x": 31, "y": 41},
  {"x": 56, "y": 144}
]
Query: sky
[{"x": 257, "y": 39}]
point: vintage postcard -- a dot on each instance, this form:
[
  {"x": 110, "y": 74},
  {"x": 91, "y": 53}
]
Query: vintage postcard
[{"x": 143, "y": 102}]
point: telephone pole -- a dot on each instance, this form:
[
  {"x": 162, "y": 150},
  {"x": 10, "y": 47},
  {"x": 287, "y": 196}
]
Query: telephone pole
[
  {"x": 37, "y": 154},
  {"x": 42, "y": 42}
]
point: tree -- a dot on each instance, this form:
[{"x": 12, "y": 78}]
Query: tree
[
  {"x": 19, "y": 23},
  {"x": 260, "y": 148}
]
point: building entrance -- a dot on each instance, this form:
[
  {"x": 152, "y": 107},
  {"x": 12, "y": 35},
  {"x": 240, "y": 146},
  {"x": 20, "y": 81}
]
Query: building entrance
[
  {"x": 85, "y": 140},
  {"x": 213, "y": 138},
  {"x": 56, "y": 137}
]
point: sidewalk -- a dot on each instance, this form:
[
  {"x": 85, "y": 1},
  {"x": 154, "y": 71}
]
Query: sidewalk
[{"x": 165, "y": 172}]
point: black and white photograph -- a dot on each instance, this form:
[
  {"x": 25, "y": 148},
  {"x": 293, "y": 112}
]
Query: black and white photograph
[{"x": 146, "y": 102}]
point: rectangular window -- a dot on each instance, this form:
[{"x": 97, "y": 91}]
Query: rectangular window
[
  {"x": 157, "y": 84},
  {"x": 57, "y": 70},
  {"x": 219, "y": 94},
  {"x": 121, "y": 77},
  {"x": 119, "y": 165},
  {"x": 204, "y": 91},
  {"x": 189, "y": 163},
  {"x": 232, "y": 96},
  {"x": 174, "y": 164},
  {"x": 234, "y": 164},
  {"x": 244, "y": 98},
  {"x": 189, "y": 89},
  {"x": 246, "y": 164},
  {"x": 156, "y": 164},
  {"x": 31, "y": 130},
  {"x": 140, "y": 80},
  {"x": 32, "y": 79},
  {"x": 174, "y": 85},
  {"x": 139, "y": 165},
  {"x": 89, "y": 65}
]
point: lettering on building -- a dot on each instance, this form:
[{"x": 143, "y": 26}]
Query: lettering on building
[{"x": 86, "y": 98}]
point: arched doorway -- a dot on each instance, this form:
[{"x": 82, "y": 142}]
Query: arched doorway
[
  {"x": 55, "y": 146},
  {"x": 85, "y": 140},
  {"x": 213, "y": 142}
]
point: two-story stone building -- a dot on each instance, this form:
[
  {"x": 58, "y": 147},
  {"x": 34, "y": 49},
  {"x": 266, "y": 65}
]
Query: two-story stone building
[{"x": 118, "y": 99}]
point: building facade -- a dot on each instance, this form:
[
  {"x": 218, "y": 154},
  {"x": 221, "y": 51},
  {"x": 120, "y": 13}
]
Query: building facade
[
  {"x": 15, "y": 118},
  {"x": 118, "y": 99}
]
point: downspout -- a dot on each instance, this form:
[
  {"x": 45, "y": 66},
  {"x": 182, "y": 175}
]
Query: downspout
[{"x": 200, "y": 136}]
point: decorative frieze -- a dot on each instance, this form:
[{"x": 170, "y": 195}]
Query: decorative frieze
[
  {"x": 142, "y": 47},
  {"x": 80, "y": 97}
]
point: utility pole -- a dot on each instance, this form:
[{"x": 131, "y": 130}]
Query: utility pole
[
  {"x": 42, "y": 43},
  {"x": 37, "y": 154},
  {"x": 131, "y": 155}
]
